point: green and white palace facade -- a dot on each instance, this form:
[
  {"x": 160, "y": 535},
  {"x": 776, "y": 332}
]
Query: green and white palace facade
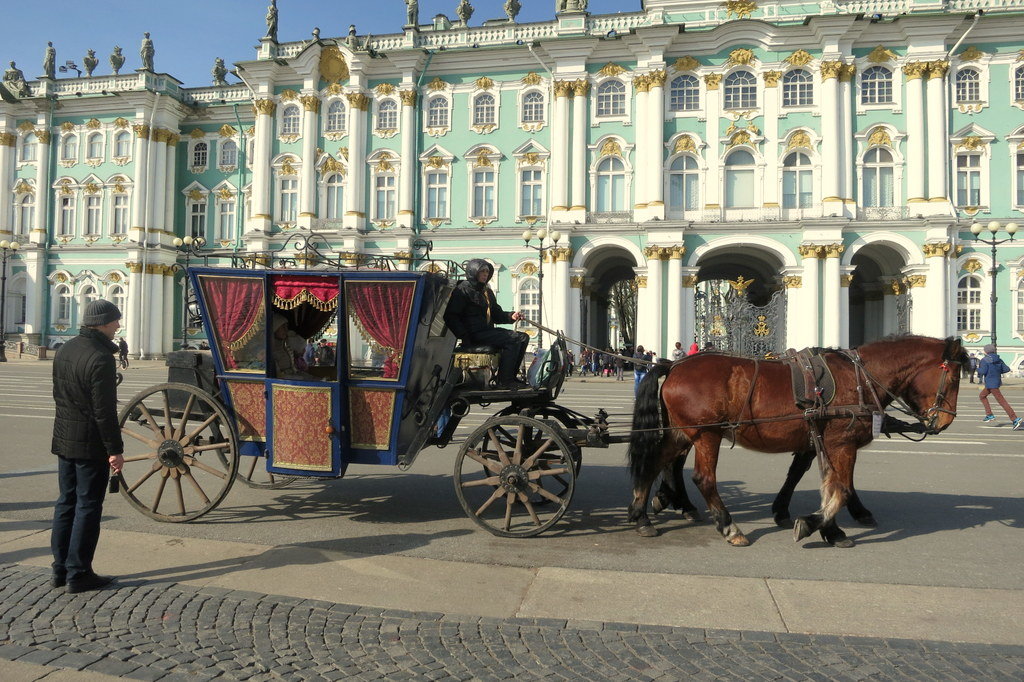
[{"x": 821, "y": 162}]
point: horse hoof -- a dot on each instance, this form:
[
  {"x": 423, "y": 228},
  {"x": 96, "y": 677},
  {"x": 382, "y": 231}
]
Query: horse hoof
[
  {"x": 801, "y": 529},
  {"x": 738, "y": 541},
  {"x": 647, "y": 531},
  {"x": 867, "y": 520},
  {"x": 843, "y": 542},
  {"x": 693, "y": 515},
  {"x": 659, "y": 503},
  {"x": 783, "y": 521}
]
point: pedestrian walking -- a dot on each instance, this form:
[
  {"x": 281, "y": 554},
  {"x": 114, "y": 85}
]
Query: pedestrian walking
[
  {"x": 694, "y": 349},
  {"x": 619, "y": 363},
  {"x": 640, "y": 367},
  {"x": 87, "y": 442},
  {"x": 678, "y": 353},
  {"x": 122, "y": 352},
  {"x": 991, "y": 369},
  {"x": 972, "y": 367}
]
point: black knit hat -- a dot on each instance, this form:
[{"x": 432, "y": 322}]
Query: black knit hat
[{"x": 99, "y": 313}]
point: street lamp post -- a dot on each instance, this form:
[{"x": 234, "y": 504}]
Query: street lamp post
[
  {"x": 6, "y": 249},
  {"x": 994, "y": 227},
  {"x": 190, "y": 246},
  {"x": 541, "y": 234}
]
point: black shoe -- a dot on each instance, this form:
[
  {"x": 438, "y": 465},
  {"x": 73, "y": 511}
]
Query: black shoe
[
  {"x": 89, "y": 583},
  {"x": 514, "y": 385},
  {"x": 58, "y": 580}
]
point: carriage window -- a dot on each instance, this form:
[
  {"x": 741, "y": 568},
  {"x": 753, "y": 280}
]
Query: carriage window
[
  {"x": 378, "y": 321},
  {"x": 235, "y": 307}
]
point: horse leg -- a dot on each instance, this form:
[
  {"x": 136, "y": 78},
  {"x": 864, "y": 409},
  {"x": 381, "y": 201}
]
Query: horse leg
[
  {"x": 704, "y": 476},
  {"x": 780, "y": 507},
  {"x": 637, "y": 512},
  {"x": 858, "y": 511},
  {"x": 836, "y": 484},
  {"x": 672, "y": 491}
]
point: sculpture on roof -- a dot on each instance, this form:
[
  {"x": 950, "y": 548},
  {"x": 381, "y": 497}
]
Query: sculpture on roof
[
  {"x": 464, "y": 11},
  {"x": 15, "y": 81},
  {"x": 272, "y": 21},
  {"x": 90, "y": 62},
  {"x": 572, "y": 6},
  {"x": 512, "y": 8},
  {"x": 412, "y": 13},
  {"x": 219, "y": 72},
  {"x": 50, "y": 62},
  {"x": 146, "y": 52},
  {"x": 116, "y": 59},
  {"x": 351, "y": 41}
]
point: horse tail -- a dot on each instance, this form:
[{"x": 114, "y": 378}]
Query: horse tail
[{"x": 645, "y": 439}]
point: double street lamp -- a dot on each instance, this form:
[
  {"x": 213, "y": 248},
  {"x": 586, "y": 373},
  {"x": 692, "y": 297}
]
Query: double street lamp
[
  {"x": 7, "y": 249},
  {"x": 190, "y": 246},
  {"x": 994, "y": 227},
  {"x": 553, "y": 236}
]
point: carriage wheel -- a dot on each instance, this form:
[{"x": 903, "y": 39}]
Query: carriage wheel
[
  {"x": 180, "y": 462},
  {"x": 252, "y": 471},
  {"x": 505, "y": 466},
  {"x": 543, "y": 412}
]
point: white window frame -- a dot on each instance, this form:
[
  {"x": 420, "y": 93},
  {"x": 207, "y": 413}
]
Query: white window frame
[
  {"x": 476, "y": 183},
  {"x": 538, "y": 124},
  {"x": 390, "y": 191},
  {"x": 62, "y": 298},
  {"x": 1016, "y": 150},
  {"x": 324, "y": 194},
  {"x": 757, "y": 168},
  {"x": 478, "y": 125},
  {"x": 899, "y": 164},
  {"x": 89, "y": 156},
  {"x": 896, "y": 78},
  {"x": 968, "y": 306},
  {"x": 1016, "y": 73},
  {"x": 335, "y": 134},
  {"x": 67, "y": 160},
  {"x": 125, "y": 211},
  {"x": 222, "y": 147},
  {"x": 540, "y": 183},
  {"x": 627, "y": 98},
  {"x": 980, "y": 170},
  {"x": 877, "y": 165},
  {"x": 437, "y": 131},
  {"x": 742, "y": 105},
  {"x": 285, "y": 134},
  {"x": 221, "y": 231},
  {"x": 24, "y": 224},
  {"x": 28, "y": 144},
  {"x": 117, "y": 295},
  {"x": 700, "y": 95},
  {"x": 65, "y": 212},
  {"x": 120, "y": 159},
  {"x": 682, "y": 212},
  {"x": 379, "y": 128},
  {"x": 93, "y": 209},
  {"x": 529, "y": 308},
  {"x": 811, "y": 84},
  {"x": 193, "y": 150}
]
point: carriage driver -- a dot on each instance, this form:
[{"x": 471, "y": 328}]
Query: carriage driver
[
  {"x": 472, "y": 313},
  {"x": 288, "y": 347}
]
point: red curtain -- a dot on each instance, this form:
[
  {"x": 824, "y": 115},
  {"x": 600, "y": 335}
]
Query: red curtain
[
  {"x": 236, "y": 311},
  {"x": 382, "y": 310},
  {"x": 291, "y": 291}
]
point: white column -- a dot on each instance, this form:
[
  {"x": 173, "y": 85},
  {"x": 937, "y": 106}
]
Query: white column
[
  {"x": 831, "y": 320},
  {"x": 674, "y": 298},
  {"x": 772, "y": 200},
  {"x": 140, "y": 160},
  {"x": 355, "y": 215},
  {"x": 938, "y": 191},
  {"x": 845, "y": 275},
  {"x": 307, "y": 176},
  {"x": 407, "y": 172},
  {"x": 158, "y": 180},
  {"x": 43, "y": 193},
  {"x": 655, "y": 288},
  {"x": 656, "y": 141},
  {"x": 796, "y": 332},
  {"x": 36, "y": 292},
  {"x": 937, "y": 292},
  {"x": 916, "y": 173},
  {"x": 559, "y": 179},
  {"x": 260, "y": 197},
  {"x": 7, "y": 145},
  {"x": 921, "y": 315},
  {"x": 560, "y": 289},
  {"x": 170, "y": 292},
  {"x": 830, "y": 127},
  {"x": 641, "y": 165},
  {"x": 644, "y": 309},
  {"x": 154, "y": 322},
  {"x": 846, "y": 153},
  {"x": 133, "y": 332},
  {"x": 811, "y": 293},
  {"x": 712, "y": 179},
  {"x": 580, "y": 172},
  {"x": 574, "y": 328},
  {"x": 171, "y": 197},
  {"x": 889, "y": 324},
  {"x": 688, "y": 331}
]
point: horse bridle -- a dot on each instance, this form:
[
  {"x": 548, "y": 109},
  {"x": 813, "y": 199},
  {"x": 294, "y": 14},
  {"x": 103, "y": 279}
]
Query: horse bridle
[{"x": 938, "y": 407}]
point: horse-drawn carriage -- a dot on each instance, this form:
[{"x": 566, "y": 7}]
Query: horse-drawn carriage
[{"x": 397, "y": 384}]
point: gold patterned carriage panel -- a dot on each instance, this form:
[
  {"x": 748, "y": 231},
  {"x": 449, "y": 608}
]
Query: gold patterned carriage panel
[
  {"x": 302, "y": 427},
  {"x": 371, "y": 414},
  {"x": 249, "y": 401}
]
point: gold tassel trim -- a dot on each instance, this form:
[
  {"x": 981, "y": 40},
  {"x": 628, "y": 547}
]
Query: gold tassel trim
[{"x": 305, "y": 296}]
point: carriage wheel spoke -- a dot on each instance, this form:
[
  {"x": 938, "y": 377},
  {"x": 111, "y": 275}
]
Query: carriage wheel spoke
[
  {"x": 488, "y": 464},
  {"x": 195, "y": 484},
  {"x": 534, "y": 475},
  {"x": 192, "y": 449},
  {"x": 202, "y": 466},
  {"x": 145, "y": 476},
  {"x": 529, "y": 507},
  {"x": 518, "y": 455},
  {"x": 534, "y": 488},
  {"x": 493, "y": 498},
  {"x": 491, "y": 480},
  {"x": 150, "y": 422},
  {"x": 184, "y": 417},
  {"x": 206, "y": 422},
  {"x": 529, "y": 463},
  {"x": 139, "y": 437},
  {"x": 139, "y": 458},
  {"x": 252, "y": 470},
  {"x": 168, "y": 431},
  {"x": 510, "y": 499},
  {"x": 160, "y": 489},
  {"x": 180, "y": 493},
  {"x": 502, "y": 455}
]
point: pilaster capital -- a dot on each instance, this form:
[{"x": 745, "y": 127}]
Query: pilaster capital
[
  {"x": 937, "y": 69},
  {"x": 689, "y": 281},
  {"x": 581, "y": 87},
  {"x": 43, "y": 136},
  {"x": 310, "y": 103},
  {"x": 937, "y": 250},
  {"x": 641, "y": 281},
  {"x": 811, "y": 250},
  {"x": 141, "y": 130},
  {"x": 712, "y": 81},
  {"x": 576, "y": 281},
  {"x": 642, "y": 83},
  {"x": 847, "y": 72},
  {"x": 915, "y": 70},
  {"x": 771, "y": 78},
  {"x": 830, "y": 69},
  {"x": 8, "y": 139},
  {"x": 358, "y": 100},
  {"x": 134, "y": 267},
  {"x": 266, "y": 107},
  {"x": 845, "y": 280},
  {"x": 403, "y": 257},
  {"x": 676, "y": 252},
  {"x": 916, "y": 281},
  {"x": 563, "y": 88},
  {"x": 833, "y": 250},
  {"x": 657, "y": 78},
  {"x": 408, "y": 97},
  {"x": 792, "y": 281}
]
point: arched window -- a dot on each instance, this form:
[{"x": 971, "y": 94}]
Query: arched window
[
  {"x": 877, "y": 188},
  {"x": 797, "y": 88},
  {"x": 69, "y": 148},
  {"x": 437, "y": 194},
  {"x": 1018, "y": 84},
  {"x": 67, "y": 215},
  {"x": 684, "y": 93},
  {"x": 93, "y": 214},
  {"x": 797, "y": 181},
  {"x": 120, "y": 223},
  {"x": 226, "y": 210},
  {"x": 611, "y": 98},
  {"x": 387, "y": 115},
  {"x": 485, "y": 190},
  {"x": 336, "y": 117},
  {"x": 876, "y": 86},
  {"x": 968, "y": 180},
  {"x": 384, "y": 196},
  {"x": 531, "y": 197},
  {"x": 483, "y": 110},
  {"x": 85, "y": 297},
  {"x": 335, "y": 190},
  {"x": 28, "y": 148},
  {"x": 291, "y": 119},
  {"x": 116, "y": 295},
  {"x": 17, "y": 304},
  {"x": 968, "y": 86},
  {"x": 228, "y": 154},
  {"x": 683, "y": 184},
  {"x": 968, "y": 304},
  {"x": 437, "y": 112},
  {"x": 529, "y": 300},
  {"x": 94, "y": 147},
  {"x": 62, "y": 305},
  {"x": 739, "y": 179},
  {"x": 611, "y": 185},
  {"x": 1020, "y": 306},
  {"x": 200, "y": 154},
  {"x": 533, "y": 107},
  {"x": 123, "y": 144},
  {"x": 1020, "y": 179},
  {"x": 740, "y": 90},
  {"x": 26, "y": 214},
  {"x": 197, "y": 217}
]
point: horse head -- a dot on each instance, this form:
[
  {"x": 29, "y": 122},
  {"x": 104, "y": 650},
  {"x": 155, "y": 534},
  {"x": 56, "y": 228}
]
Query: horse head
[{"x": 934, "y": 383}]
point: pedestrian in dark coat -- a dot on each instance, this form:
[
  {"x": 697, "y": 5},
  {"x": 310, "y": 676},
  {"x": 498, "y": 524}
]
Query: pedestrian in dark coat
[
  {"x": 471, "y": 315},
  {"x": 991, "y": 370},
  {"x": 87, "y": 442}
]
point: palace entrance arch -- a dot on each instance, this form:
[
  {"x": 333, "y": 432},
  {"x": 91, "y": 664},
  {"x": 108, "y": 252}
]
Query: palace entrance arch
[
  {"x": 880, "y": 300},
  {"x": 604, "y": 324}
]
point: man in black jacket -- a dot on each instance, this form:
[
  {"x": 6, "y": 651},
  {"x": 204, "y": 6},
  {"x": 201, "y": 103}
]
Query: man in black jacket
[
  {"x": 87, "y": 442},
  {"x": 471, "y": 315}
]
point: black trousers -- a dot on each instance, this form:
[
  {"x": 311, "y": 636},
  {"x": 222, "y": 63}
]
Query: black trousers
[
  {"x": 77, "y": 514},
  {"x": 512, "y": 345}
]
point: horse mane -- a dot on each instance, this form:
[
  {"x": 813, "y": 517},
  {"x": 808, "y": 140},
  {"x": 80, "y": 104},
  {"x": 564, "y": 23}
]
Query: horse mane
[{"x": 895, "y": 363}]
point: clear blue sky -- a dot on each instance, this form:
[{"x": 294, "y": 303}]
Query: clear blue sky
[{"x": 189, "y": 34}]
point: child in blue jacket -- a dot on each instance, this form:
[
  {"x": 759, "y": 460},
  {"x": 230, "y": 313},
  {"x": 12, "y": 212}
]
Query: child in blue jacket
[{"x": 991, "y": 369}]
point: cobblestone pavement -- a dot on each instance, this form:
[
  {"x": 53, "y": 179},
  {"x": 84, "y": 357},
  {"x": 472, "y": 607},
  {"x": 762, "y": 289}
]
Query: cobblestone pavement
[{"x": 179, "y": 632}]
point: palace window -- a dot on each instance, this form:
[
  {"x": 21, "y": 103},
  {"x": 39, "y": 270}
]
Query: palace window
[
  {"x": 1018, "y": 84},
  {"x": 62, "y": 309},
  {"x": 334, "y": 188},
  {"x": 120, "y": 224},
  {"x": 484, "y": 186},
  {"x": 1020, "y": 306},
  {"x": 26, "y": 214},
  {"x": 288, "y": 204},
  {"x": 226, "y": 218},
  {"x": 291, "y": 119},
  {"x": 739, "y": 179},
  {"x": 483, "y": 110},
  {"x": 93, "y": 214},
  {"x": 968, "y": 180},
  {"x": 876, "y": 86},
  {"x": 529, "y": 301},
  {"x": 115, "y": 295},
  {"x": 611, "y": 98},
  {"x": 611, "y": 186},
  {"x": 683, "y": 184},
  {"x": 797, "y": 181},
  {"x": 200, "y": 154},
  {"x": 531, "y": 192},
  {"x": 123, "y": 144},
  {"x": 968, "y": 86},
  {"x": 67, "y": 216},
  {"x": 94, "y": 146},
  {"x": 877, "y": 188},
  {"x": 1020, "y": 178},
  {"x": 533, "y": 107},
  {"x": 197, "y": 218},
  {"x": 684, "y": 93},
  {"x": 69, "y": 148},
  {"x": 384, "y": 197},
  {"x": 740, "y": 90},
  {"x": 968, "y": 304},
  {"x": 387, "y": 115},
  {"x": 797, "y": 88},
  {"x": 28, "y": 148},
  {"x": 437, "y": 112},
  {"x": 335, "y": 117},
  {"x": 87, "y": 296},
  {"x": 437, "y": 194},
  {"x": 228, "y": 154}
]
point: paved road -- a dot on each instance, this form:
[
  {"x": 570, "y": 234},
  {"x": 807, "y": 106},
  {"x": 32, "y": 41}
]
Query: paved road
[{"x": 949, "y": 511}]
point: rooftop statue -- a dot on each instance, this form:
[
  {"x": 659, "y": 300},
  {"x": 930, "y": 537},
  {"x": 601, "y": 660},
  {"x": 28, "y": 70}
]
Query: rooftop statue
[
  {"x": 572, "y": 6},
  {"x": 146, "y": 51},
  {"x": 316, "y": 33},
  {"x": 15, "y": 81},
  {"x": 351, "y": 41},
  {"x": 464, "y": 11},
  {"x": 272, "y": 21},
  {"x": 412, "y": 13},
  {"x": 90, "y": 62},
  {"x": 219, "y": 72},
  {"x": 116, "y": 59},
  {"x": 512, "y": 8},
  {"x": 50, "y": 62}
]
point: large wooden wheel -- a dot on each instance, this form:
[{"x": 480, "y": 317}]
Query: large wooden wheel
[
  {"x": 180, "y": 455},
  {"x": 252, "y": 471},
  {"x": 515, "y": 476}
]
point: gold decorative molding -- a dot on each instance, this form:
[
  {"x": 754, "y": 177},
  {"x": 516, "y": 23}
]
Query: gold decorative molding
[
  {"x": 196, "y": 195},
  {"x": 741, "y": 9},
  {"x": 740, "y": 284},
  {"x": 881, "y": 55},
  {"x": 799, "y": 58},
  {"x": 265, "y": 107},
  {"x": 91, "y": 188},
  {"x": 576, "y": 281},
  {"x": 811, "y": 250},
  {"x": 408, "y": 97},
  {"x": 830, "y": 69},
  {"x": 287, "y": 168},
  {"x": 288, "y": 96},
  {"x": 937, "y": 69},
  {"x": 834, "y": 250},
  {"x": 657, "y": 78},
  {"x": 771, "y": 78},
  {"x": 24, "y": 188},
  {"x": 335, "y": 89},
  {"x": 310, "y": 103},
  {"x": 484, "y": 83},
  {"x": 971, "y": 143},
  {"x": 611, "y": 69},
  {"x": 333, "y": 67},
  {"x": 741, "y": 137},
  {"x": 686, "y": 63},
  {"x": 26, "y": 127},
  {"x": 799, "y": 139},
  {"x": 642, "y": 82},
  {"x": 792, "y": 281},
  {"x": 384, "y": 163},
  {"x": 437, "y": 85},
  {"x": 971, "y": 265},
  {"x": 532, "y": 78},
  {"x": 879, "y": 137},
  {"x": 436, "y": 162},
  {"x": 937, "y": 250},
  {"x": 610, "y": 148},
  {"x": 8, "y": 140},
  {"x": 676, "y": 252},
  {"x": 685, "y": 143},
  {"x": 581, "y": 87},
  {"x": 641, "y": 281},
  {"x": 971, "y": 54},
  {"x": 358, "y": 100},
  {"x": 67, "y": 127},
  {"x": 43, "y": 136},
  {"x": 563, "y": 88},
  {"x": 741, "y": 56},
  {"x": 483, "y": 159},
  {"x": 915, "y": 70},
  {"x": 332, "y": 165},
  {"x": 121, "y": 123},
  {"x": 845, "y": 280},
  {"x": 227, "y": 130},
  {"x": 916, "y": 281},
  {"x": 689, "y": 281},
  {"x": 93, "y": 124},
  {"x": 384, "y": 89},
  {"x": 712, "y": 81},
  {"x": 847, "y": 72}
]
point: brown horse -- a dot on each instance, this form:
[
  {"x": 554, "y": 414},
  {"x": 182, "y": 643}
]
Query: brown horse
[{"x": 711, "y": 396}]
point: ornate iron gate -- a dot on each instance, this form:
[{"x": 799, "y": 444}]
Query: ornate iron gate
[
  {"x": 904, "y": 308},
  {"x": 730, "y": 323}
]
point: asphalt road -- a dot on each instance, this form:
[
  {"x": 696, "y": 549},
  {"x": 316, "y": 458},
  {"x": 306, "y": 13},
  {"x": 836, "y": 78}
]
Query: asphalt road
[{"x": 949, "y": 509}]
